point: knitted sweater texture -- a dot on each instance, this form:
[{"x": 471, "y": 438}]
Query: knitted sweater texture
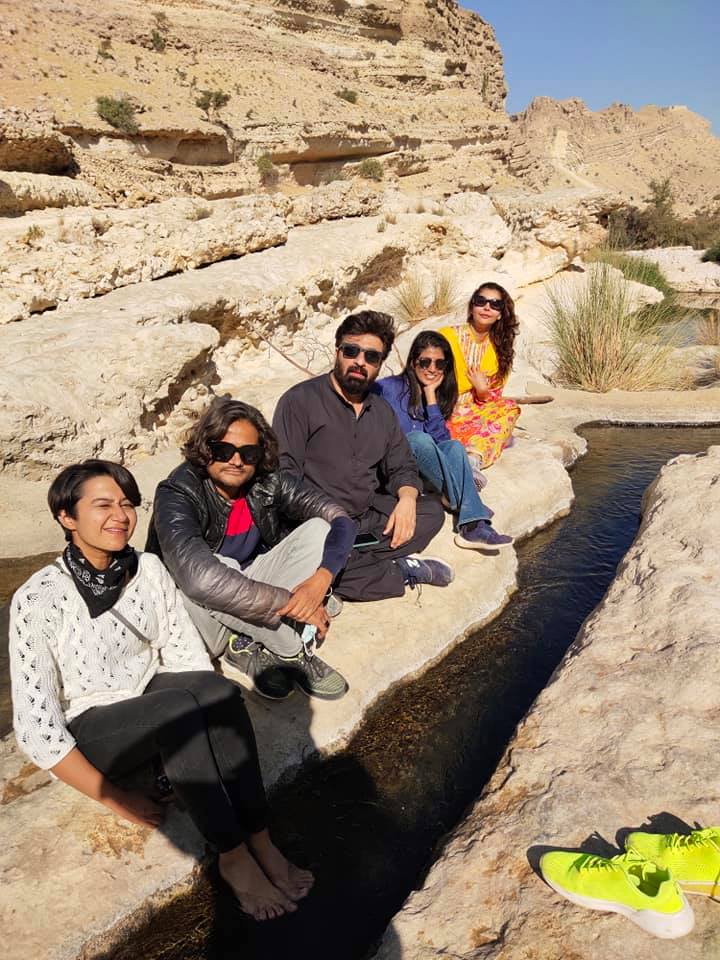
[{"x": 62, "y": 662}]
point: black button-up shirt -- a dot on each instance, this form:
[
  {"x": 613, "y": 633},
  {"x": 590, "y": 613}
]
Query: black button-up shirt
[{"x": 350, "y": 458}]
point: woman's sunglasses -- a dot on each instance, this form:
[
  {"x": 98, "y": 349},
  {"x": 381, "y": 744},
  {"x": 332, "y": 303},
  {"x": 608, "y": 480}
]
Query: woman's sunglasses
[
  {"x": 351, "y": 351},
  {"x": 223, "y": 452},
  {"x": 426, "y": 362},
  {"x": 479, "y": 301}
]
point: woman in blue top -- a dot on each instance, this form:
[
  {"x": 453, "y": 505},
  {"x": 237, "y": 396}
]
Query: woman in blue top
[{"x": 423, "y": 397}]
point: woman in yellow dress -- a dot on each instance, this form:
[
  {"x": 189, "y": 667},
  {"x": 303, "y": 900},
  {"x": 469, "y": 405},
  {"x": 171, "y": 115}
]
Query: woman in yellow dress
[{"x": 483, "y": 349}]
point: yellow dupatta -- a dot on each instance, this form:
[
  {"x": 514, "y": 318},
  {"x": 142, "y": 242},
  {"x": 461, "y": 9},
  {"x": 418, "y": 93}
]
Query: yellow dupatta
[{"x": 482, "y": 355}]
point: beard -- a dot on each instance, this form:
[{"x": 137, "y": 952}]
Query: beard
[{"x": 353, "y": 386}]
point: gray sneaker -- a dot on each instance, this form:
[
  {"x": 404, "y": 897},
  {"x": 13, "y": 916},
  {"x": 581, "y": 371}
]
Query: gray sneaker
[
  {"x": 254, "y": 667},
  {"x": 315, "y": 677}
]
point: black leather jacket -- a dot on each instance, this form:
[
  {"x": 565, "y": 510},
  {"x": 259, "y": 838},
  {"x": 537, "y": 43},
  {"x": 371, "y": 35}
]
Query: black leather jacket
[{"x": 188, "y": 526}]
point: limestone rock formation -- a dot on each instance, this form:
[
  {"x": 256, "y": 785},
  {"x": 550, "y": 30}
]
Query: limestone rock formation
[
  {"x": 624, "y": 731},
  {"x": 30, "y": 141},
  {"x": 560, "y": 143},
  {"x": 685, "y": 269}
]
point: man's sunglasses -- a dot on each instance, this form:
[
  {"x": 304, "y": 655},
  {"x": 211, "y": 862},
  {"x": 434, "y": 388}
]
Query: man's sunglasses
[
  {"x": 223, "y": 452},
  {"x": 351, "y": 351},
  {"x": 426, "y": 362},
  {"x": 479, "y": 301}
]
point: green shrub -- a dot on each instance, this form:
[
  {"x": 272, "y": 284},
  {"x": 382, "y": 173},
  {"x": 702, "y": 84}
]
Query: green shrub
[
  {"x": 118, "y": 112},
  {"x": 657, "y": 224},
  {"x": 158, "y": 41},
  {"x": 349, "y": 95},
  {"x": 32, "y": 235},
  {"x": 212, "y": 100},
  {"x": 267, "y": 170},
  {"x": 712, "y": 254},
  {"x": 602, "y": 345},
  {"x": 381, "y": 226},
  {"x": 371, "y": 169},
  {"x": 639, "y": 269}
]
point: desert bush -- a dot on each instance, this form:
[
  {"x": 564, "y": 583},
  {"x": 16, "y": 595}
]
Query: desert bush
[
  {"x": 267, "y": 169},
  {"x": 708, "y": 332},
  {"x": 212, "y": 100},
  {"x": 712, "y": 254},
  {"x": 381, "y": 226},
  {"x": 349, "y": 95},
  {"x": 158, "y": 41},
  {"x": 103, "y": 50},
  {"x": 445, "y": 296},
  {"x": 118, "y": 112},
  {"x": 419, "y": 206},
  {"x": 371, "y": 169},
  {"x": 602, "y": 345},
  {"x": 32, "y": 235},
  {"x": 161, "y": 20},
  {"x": 391, "y": 217},
  {"x": 657, "y": 224}
]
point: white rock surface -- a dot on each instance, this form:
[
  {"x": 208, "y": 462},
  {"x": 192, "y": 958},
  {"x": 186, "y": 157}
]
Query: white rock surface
[
  {"x": 684, "y": 268},
  {"x": 625, "y": 730},
  {"x": 20, "y": 192}
]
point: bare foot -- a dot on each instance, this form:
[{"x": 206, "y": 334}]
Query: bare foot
[
  {"x": 293, "y": 881},
  {"x": 255, "y": 893}
]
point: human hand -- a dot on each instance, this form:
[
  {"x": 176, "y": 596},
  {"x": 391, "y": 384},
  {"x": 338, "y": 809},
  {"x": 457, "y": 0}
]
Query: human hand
[
  {"x": 430, "y": 391},
  {"x": 480, "y": 382},
  {"x": 135, "y": 807},
  {"x": 401, "y": 522},
  {"x": 307, "y": 596},
  {"x": 320, "y": 620}
]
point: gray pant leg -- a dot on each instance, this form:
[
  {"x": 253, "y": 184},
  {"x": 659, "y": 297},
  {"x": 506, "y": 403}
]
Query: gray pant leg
[{"x": 293, "y": 560}]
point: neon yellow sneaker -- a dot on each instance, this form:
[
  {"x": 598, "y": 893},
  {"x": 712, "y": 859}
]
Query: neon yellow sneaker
[
  {"x": 626, "y": 884},
  {"x": 693, "y": 859}
]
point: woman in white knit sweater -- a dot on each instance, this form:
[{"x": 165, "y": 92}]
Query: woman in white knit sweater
[{"x": 108, "y": 671}]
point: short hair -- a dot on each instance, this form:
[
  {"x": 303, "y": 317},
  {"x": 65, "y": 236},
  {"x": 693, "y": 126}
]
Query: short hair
[
  {"x": 66, "y": 488},
  {"x": 378, "y": 324},
  {"x": 213, "y": 425}
]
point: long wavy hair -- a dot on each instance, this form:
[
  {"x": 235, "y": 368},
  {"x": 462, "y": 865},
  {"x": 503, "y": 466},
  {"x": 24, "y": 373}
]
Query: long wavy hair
[
  {"x": 447, "y": 393},
  {"x": 213, "y": 425},
  {"x": 503, "y": 331}
]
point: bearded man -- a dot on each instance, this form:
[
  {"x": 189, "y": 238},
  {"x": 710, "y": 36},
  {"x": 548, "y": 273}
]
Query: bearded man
[{"x": 345, "y": 441}]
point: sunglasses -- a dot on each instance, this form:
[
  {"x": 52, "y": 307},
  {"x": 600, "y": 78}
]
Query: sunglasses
[
  {"x": 223, "y": 452},
  {"x": 426, "y": 362},
  {"x": 479, "y": 301},
  {"x": 351, "y": 351}
]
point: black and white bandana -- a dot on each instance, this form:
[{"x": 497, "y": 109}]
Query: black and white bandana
[{"x": 100, "y": 589}]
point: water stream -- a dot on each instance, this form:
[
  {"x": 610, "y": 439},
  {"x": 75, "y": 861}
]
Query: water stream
[{"x": 369, "y": 821}]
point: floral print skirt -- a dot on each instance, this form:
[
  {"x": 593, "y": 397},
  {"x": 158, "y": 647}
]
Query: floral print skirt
[{"x": 484, "y": 429}]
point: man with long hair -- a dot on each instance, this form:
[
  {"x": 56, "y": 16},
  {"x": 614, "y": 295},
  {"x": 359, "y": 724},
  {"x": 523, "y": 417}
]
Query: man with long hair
[
  {"x": 344, "y": 440},
  {"x": 254, "y": 552}
]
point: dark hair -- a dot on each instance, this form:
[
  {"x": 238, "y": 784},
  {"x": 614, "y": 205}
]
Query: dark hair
[
  {"x": 378, "y": 324},
  {"x": 447, "y": 394},
  {"x": 503, "y": 331},
  {"x": 213, "y": 425},
  {"x": 66, "y": 488}
]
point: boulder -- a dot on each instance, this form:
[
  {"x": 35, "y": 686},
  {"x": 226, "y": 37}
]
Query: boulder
[
  {"x": 20, "y": 192},
  {"x": 625, "y": 731},
  {"x": 32, "y": 142},
  {"x": 684, "y": 268}
]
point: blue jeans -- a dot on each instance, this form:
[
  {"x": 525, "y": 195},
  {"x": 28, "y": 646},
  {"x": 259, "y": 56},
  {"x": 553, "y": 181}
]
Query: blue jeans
[{"x": 446, "y": 466}]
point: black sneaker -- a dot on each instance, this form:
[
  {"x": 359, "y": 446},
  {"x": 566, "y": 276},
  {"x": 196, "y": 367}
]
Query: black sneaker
[
  {"x": 315, "y": 677},
  {"x": 430, "y": 570},
  {"x": 254, "y": 667}
]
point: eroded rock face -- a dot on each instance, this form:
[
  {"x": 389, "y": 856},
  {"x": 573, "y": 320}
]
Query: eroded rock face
[
  {"x": 20, "y": 192},
  {"x": 625, "y": 730},
  {"x": 32, "y": 142}
]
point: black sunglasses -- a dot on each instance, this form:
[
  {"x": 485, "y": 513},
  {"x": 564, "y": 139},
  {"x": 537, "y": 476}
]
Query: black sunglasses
[
  {"x": 351, "y": 351},
  {"x": 223, "y": 452},
  {"x": 426, "y": 362},
  {"x": 479, "y": 300}
]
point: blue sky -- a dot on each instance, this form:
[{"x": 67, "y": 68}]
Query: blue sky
[{"x": 636, "y": 52}]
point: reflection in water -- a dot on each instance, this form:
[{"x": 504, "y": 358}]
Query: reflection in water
[{"x": 368, "y": 822}]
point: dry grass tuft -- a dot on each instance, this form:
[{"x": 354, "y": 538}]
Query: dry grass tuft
[
  {"x": 445, "y": 297},
  {"x": 601, "y": 345},
  {"x": 708, "y": 333},
  {"x": 409, "y": 300}
]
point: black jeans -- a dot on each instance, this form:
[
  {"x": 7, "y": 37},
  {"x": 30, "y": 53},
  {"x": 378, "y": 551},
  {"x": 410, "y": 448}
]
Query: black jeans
[
  {"x": 197, "y": 722},
  {"x": 370, "y": 573}
]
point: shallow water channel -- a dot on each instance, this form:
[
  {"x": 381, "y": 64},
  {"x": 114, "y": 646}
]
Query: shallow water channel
[{"x": 369, "y": 821}]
